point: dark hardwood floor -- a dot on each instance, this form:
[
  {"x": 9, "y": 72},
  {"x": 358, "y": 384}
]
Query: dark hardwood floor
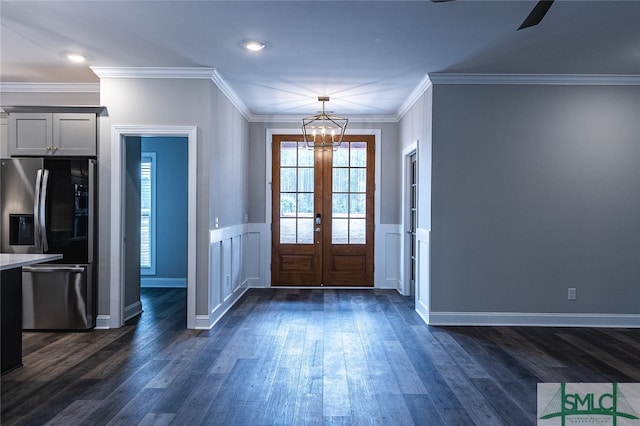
[{"x": 304, "y": 357}]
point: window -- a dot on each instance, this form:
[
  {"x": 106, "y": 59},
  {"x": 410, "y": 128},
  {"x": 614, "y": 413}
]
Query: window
[{"x": 147, "y": 213}]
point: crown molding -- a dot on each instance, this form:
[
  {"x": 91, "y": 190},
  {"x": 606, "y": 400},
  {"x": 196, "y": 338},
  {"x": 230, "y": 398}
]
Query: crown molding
[
  {"x": 538, "y": 79},
  {"x": 233, "y": 97},
  {"x": 298, "y": 118},
  {"x": 10, "y": 87},
  {"x": 203, "y": 73},
  {"x": 154, "y": 72},
  {"x": 420, "y": 90}
]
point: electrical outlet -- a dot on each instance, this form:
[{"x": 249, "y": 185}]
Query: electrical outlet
[{"x": 571, "y": 293}]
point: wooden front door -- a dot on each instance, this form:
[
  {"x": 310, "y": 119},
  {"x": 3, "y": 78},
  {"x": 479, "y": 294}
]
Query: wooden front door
[{"x": 322, "y": 213}]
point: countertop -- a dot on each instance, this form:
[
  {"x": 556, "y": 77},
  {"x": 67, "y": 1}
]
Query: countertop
[{"x": 11, "y": 260}]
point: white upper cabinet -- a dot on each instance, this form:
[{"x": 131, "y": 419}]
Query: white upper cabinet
[{"x": 52, "y": 134}]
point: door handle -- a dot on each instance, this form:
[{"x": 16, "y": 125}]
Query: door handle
[
  {"x": 47, "y": 269},
  {"x": 36, "y": 208},
  {"x": 43, "y": 203}
]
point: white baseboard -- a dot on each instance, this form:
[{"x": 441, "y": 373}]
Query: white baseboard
[
  {"x": 206, "y": 322},
  {"x": 423, "y": 311},
  {"x": 389, "y": 284},
  {"x": 529, "y": 319},
  {"x": 255, "y": 283},
  {"x": 132, "y": 310},
  {"x": 147, "y": 282},
  {"x": 103, "y": 322}
]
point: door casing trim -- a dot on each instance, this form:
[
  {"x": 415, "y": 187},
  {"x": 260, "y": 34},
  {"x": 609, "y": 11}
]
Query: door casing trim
[
  {"x": 116, "y": 288},
  {"x": 405, "y": 264}
]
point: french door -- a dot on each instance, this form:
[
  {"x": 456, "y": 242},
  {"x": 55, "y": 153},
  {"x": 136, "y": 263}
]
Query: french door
[{"x": 322, "y": 213}]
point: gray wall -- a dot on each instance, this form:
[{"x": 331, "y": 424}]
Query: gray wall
[
  {"x": 415, "y": 128},
  {"x": 389, "y": 173},
  {"x": 228, "y": 178},
  {"x": 536, "y": 189}
]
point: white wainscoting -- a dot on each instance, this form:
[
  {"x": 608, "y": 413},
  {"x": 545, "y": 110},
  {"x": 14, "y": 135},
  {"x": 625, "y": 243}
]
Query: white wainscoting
[
  {"x": 240, "y": 256},
  {"x": 235, "y": 263},
  {"x": 387, "y": 253},
  {"x": 256, "y": 246},
  {"x": 423, "y": 274}
]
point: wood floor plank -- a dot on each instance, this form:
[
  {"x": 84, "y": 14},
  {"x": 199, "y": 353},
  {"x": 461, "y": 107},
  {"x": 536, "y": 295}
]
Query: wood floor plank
[
  {"x": 470, "y": 398},
  {"x": 195, "y": 408},
  {"x": 157, "y": 419},
  {"x": 361, "y": 387},
  {"x": 506, "y": 372},
  {"x": 394, "y": 411},
  {"x": 466, "y": 362},
  {"x": 136, "y": 409},
  {"x": 303, "y": 356},
  {"x": 422, "y": 410},
  {"x": 406, "y": 376},
  {"x": 335, "y": 402},
  {"x": 604, "y": 358},
  {"x": 503, "y": 404},
  {"x": 75, "y": 414}
]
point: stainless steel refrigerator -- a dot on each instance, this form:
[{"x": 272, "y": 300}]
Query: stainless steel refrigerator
[{"x": 48, "y": 206}]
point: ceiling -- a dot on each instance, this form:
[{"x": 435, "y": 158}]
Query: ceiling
[{"x": 369, "y": 56}]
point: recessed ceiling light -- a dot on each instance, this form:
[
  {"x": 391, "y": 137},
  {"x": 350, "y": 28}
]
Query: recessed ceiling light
[
  {"x": 254, "y": 45},
  {"x": 76, "y": 57}
]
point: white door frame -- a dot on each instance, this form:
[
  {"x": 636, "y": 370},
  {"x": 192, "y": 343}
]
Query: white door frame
[
  {"x": 118, "y": 133},
  {"x": 405, "y": 261}
]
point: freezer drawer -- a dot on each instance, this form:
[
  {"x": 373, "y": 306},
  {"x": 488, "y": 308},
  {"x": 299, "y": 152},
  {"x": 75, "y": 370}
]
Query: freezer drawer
[{"x": 57, "y": 297}]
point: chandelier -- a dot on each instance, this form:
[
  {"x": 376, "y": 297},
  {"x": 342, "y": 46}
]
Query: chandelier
[{"x": 323, "y": 131}]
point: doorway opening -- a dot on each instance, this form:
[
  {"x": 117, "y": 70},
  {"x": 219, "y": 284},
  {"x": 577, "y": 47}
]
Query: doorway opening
[
  {"x": 409, "y": 256},
  {"x": 163, "y": 212},
  {"x": 322, "y": 212},
  {"x": 155, "y": 217},
  {"x": 126, "y": 142}
]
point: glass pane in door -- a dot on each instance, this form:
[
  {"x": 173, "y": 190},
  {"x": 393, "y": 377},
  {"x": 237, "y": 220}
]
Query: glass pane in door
[
  {"x": 296, "y": 193},
  {"x": 349, "y": 187}
]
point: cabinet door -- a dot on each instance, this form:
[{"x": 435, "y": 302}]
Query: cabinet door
[
  {"x": 74, "y": 134},
  {"x": 30, "y": 133}
]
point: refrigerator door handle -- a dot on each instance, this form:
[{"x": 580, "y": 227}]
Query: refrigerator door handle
[
  {"x": 76, "y": 269},
  {"x": 36, "y": 207},
  {"x": 92, "y": 203},
  {"x": 43, "y": 218}
]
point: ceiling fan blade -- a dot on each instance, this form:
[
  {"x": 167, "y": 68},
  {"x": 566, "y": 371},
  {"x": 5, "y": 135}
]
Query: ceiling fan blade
[{"x": 537, "y": 14}]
